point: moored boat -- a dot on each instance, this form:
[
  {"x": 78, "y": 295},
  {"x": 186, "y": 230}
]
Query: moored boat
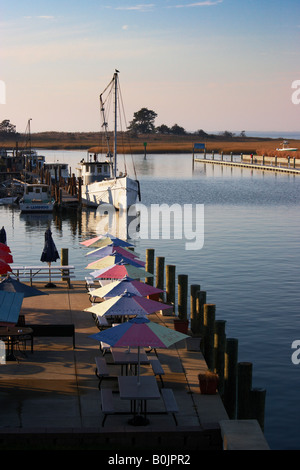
[
  {"x": 36, "y": 198},
  {"x": 285, "y": 147},
  {"x": 101, "y": 181}
]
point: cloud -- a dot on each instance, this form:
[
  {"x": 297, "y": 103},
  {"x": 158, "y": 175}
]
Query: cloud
[
  {"x": 206, "y": 3},
  {"x": 125, "y": 27},
  {"x": 43, "y": 17},
  {"x": 140, "y": 7}
]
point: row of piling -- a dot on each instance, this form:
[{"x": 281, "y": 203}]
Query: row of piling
[{"x": 240, "y": 399}]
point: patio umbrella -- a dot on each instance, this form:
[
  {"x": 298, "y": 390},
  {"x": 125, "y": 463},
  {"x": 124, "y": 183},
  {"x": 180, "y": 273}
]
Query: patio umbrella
[
  {"x": 4, "y": 267},
  {"x": 112, "y": 260},
  {"x": 119, "y": 271},
  {"x": 126, "y": 304},
  {"x": 3, "y": 236},
  {"x": 110, "y": 250},
  {"x": 10, "y": 306},
  {"x": 49, "y": 253},
  {"x": 4, "y": 247},
  {"x": 12, "y": 285},
  {"x": 104, "y": 240},
  {"x": 118, "y": 287},
  {"x": 139, "y": 332},
  {"x": 6, "y": 256}
]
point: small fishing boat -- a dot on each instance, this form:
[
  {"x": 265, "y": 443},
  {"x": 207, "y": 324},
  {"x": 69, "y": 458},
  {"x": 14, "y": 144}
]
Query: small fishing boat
[
  {"x": 57, "y": 169},
  {"x": 101, "y": 181},
  {"x": 285, "y": 147},
  {"x": 36, "y": 198}
]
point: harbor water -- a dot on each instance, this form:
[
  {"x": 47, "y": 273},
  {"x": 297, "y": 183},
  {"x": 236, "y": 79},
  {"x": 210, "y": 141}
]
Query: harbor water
[{"x": 248, "y": 261}]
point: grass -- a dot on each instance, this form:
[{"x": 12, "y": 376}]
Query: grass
[{"x": 155, "y": 143}]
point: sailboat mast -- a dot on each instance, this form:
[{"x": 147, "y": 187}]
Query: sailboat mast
[{"x": 116, "y": 118}]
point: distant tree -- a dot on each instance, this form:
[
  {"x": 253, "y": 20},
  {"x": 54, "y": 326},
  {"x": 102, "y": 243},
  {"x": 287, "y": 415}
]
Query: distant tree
[
  {"x": 7, "y": 128},
  {"x": 177, "y": 130},
  {"x": 143, "y": 122},
  {"x": 227, "y": 134},
  {"x": 243, "y": 134},
  {"x": 163, "y": 129},
  {"x": 201, "y": 133}
]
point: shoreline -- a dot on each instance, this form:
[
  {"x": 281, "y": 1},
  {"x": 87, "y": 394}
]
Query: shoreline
[{"x": 156, "y": 144}]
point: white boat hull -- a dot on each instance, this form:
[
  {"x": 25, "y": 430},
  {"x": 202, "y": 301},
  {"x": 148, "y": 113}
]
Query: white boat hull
[
  {"x": 120, "y": 192},
  {"x": 37, "y": 207}
]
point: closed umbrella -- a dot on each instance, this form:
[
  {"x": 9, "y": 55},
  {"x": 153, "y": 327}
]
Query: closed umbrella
[
  {"x": 111, "y": 260},
  {"x": 3, "y": 236},
  {"x": 127, "y": 304},
  {"x": 120, "y": 271},
  {"x": 139, "y": 332},
  {"x": 49, "y": 254},
  {"x": 118, "y": 287}
]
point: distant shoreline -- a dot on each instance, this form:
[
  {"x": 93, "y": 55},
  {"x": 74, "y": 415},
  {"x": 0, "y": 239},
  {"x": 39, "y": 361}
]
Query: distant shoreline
[{"x": 154, "y": 143}]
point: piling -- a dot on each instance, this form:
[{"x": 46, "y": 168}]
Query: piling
[
  {"x": 170, "y": 285},
  {"x": 199, "y": 324},
  {"x": 182, "y": 296},
  {"x": 194, "y": 289},
  {"x": 160, "y": 267},
  {"x": 209, "y": 313},
  {"x": 258, "y": 398},
  {"x": 149, "y": 265},
  {"x": 64, "y": 256},
  {"x": 220, "y": 349},
  {"x": 230, "y": 377},
  {"x": 244, "y": 390}
]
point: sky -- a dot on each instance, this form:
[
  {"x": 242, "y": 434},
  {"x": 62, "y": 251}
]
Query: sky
[{"x": 214, "y": 65}]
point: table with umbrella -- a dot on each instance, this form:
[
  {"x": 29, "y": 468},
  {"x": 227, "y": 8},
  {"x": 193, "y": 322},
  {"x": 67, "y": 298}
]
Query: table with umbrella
[{"x": 139, "y": 332}]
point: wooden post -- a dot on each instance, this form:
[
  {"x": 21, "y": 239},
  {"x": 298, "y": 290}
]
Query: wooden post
[
  {"x": 182, "y": 296},
  {"x": 209, "y": 330},
  {"x": 170, "y": 285},
  {"x": 230, "y": 377},
  {"x": 149, "y": 265},
  {"x": 160, "y": 266},
  {"x": 258, "y": 398},
  {"x": 201, "y": 301},
  {"x": 194, "y": 289},
  {"x": 65, "y": 262},
  {"x": 244, "y": 389},
  {"x": 220, "y": 347}
]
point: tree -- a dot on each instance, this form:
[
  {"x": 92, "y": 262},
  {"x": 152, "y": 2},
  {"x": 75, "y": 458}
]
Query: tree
[
  {"x": 7, "y": 128},
  {"x": 177, "y": 130},
  {"x": 163, "y": 129},
  {"x": 143, "y": 121}
]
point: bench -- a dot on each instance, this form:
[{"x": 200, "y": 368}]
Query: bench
[
  {"x": 157, "y": 368},
  {"x": 101, "y": 370},
  {"x": 170, "y": 402},
  {"x": 107, "y": 404},
  {"x": 64, "y": 330}
]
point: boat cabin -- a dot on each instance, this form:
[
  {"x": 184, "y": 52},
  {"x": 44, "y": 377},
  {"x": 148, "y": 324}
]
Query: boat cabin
[
  {"x": 94, "y": 171},
  {"x": 37, "y": 192},
  {"x": 57, "y": 170}
]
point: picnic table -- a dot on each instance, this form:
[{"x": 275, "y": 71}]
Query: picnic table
[{"x": 39, "y": 272}]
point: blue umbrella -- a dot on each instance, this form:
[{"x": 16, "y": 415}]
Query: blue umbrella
[
  {"x": 12, "y": 285},
  {"x": 49, "y": 253},
  {"x": 3, "y": 236}
]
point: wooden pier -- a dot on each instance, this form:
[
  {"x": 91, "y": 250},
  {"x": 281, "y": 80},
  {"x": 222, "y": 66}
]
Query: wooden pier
[{"x": 256, "y": 163}]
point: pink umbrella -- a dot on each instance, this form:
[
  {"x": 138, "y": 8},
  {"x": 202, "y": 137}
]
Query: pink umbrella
[
  {"x": 110, "y": 250},
  {"x": 120, "y": 271},
  {"x": 118, "y": 287},
  {"x": 4, "y": 247}
]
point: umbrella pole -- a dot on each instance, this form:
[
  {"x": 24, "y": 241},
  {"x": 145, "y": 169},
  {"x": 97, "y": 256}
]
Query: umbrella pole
[{"x": 50, "y": 284}]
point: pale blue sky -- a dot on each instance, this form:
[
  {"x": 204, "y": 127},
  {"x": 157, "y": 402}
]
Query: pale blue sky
[{"x": 214, "y": 65}]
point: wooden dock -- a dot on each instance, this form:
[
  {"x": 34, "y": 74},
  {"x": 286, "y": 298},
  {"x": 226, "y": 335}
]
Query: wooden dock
[
  {"x": 249, "y": 165},
  {"x": 50, "y": 398}
]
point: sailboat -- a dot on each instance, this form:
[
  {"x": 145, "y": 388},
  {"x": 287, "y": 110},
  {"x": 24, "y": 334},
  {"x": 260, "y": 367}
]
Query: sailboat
[{"x": 101, "y": 181}]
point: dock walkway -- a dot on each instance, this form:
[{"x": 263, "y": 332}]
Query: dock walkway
[{"x": 51, "y": 398}]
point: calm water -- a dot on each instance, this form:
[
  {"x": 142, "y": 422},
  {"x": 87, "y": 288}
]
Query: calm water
[{"x": 249, "y": 263}]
